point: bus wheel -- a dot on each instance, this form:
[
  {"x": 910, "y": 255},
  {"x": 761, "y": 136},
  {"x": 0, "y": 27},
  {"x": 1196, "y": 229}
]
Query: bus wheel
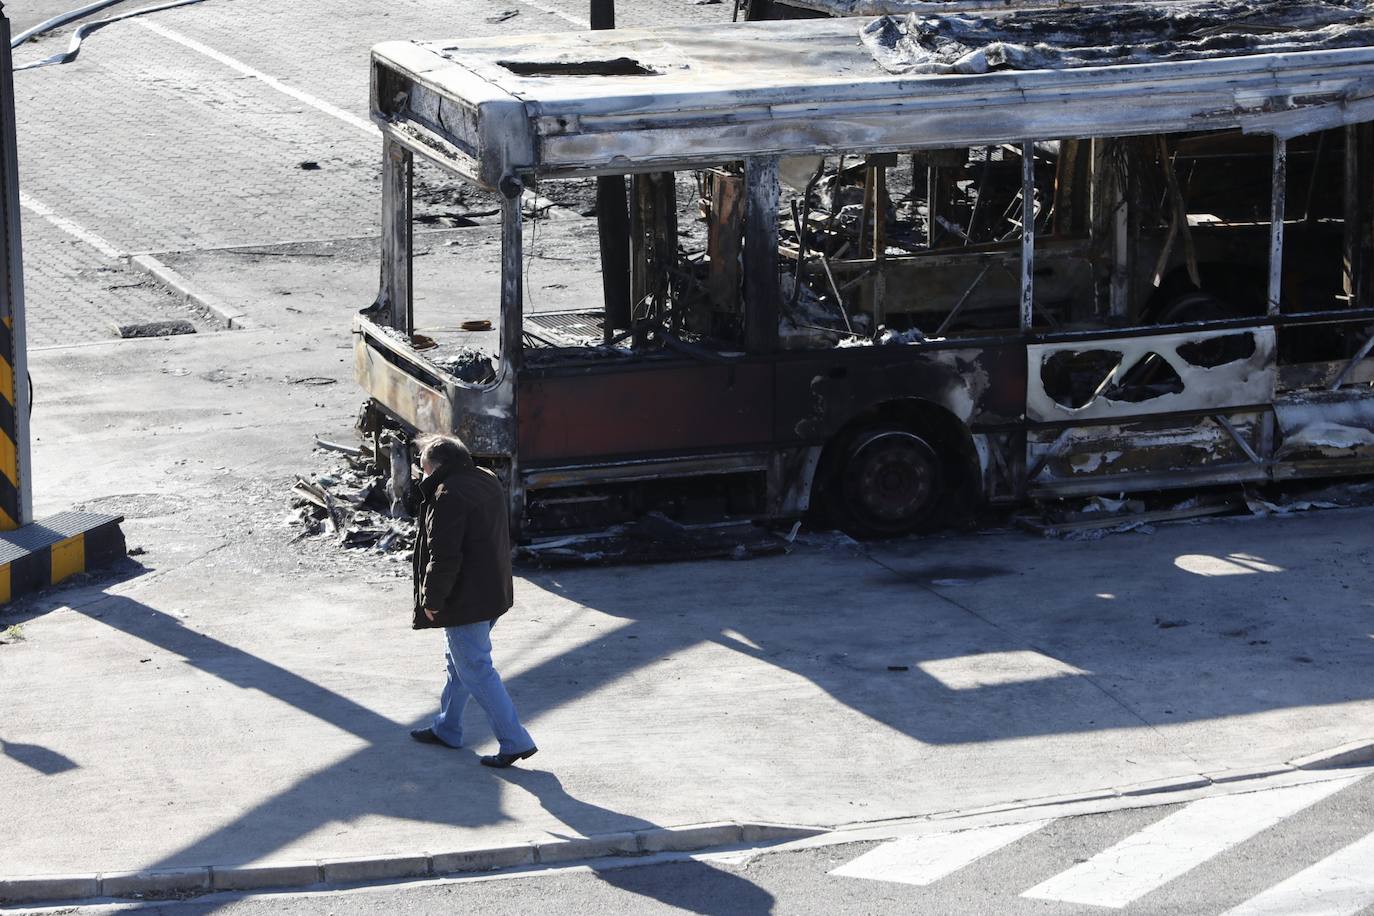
[{"x": 888, "y": 483}]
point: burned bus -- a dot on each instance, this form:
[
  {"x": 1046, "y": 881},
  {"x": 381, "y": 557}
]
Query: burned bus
[{"x": 886, "y": 270}]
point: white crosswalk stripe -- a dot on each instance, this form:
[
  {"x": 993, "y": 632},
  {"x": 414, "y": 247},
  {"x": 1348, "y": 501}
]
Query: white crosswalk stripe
[
  {"x": 926, "y": 859},
  {"x": 1342, "y": 884},
  {"x": 1177, "y": 844},
  {"x": 1152, "y": 857}
]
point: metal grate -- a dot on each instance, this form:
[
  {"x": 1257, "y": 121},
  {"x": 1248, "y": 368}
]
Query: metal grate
[{"x": 567, "y": 328}]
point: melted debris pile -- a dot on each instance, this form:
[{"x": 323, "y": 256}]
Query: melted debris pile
[
  {"x": 655, "y": 538},
  {"x": 352, "y": 504},
  {"x": 1096, "y": 517},
  {"x": 1135, "y": 33},
  {"x": 466, "y": 363}
]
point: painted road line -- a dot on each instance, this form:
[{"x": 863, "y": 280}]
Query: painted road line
[
  {"x": 1152, "y": 857},
  {"x": 554, "y": 11},
  {"x": 926, "y": 859},
  {"x": 70, "y": 227},
  {"x": 1342, "y": 884},
  {"x": 298, "y": 94}
]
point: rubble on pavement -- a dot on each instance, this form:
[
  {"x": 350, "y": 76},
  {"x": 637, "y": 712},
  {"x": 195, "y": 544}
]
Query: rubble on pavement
[
  {"x": 1095, "y": 517},
  {"x": 351, "y": 503}
]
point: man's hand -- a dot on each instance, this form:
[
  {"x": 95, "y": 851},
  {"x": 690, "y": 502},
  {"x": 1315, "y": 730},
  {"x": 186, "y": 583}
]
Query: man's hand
[{"x": 430, "y": 613}]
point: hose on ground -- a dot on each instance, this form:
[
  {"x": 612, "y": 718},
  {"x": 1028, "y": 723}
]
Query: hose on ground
[
  {"x": 59, "y": 21},
  {"x": 74, "y": 47}
]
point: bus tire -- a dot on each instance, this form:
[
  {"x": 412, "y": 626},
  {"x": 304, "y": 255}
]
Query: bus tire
[{"x": 888, "y": 481}]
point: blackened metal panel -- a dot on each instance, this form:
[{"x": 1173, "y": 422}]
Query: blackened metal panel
[
  {"x": 820, "y": 392},
  {"x": 643, "y": 410}
]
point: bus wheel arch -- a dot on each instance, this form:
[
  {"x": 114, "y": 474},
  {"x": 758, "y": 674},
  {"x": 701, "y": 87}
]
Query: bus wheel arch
[{"x": 901, "y": 467}]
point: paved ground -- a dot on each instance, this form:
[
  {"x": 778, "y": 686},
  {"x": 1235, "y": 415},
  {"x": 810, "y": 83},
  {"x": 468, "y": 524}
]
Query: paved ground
[
  {"x": 232, "y": 695},
  {"x": 255, "y": 692},
  {"x": 216, "y": 125},
  {"x": 1282, "y": 851}
]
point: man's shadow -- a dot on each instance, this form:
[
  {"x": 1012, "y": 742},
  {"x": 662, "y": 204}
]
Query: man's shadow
[
  {"x": 36, "y": 757},
  {"x": 686, "y": 884}
]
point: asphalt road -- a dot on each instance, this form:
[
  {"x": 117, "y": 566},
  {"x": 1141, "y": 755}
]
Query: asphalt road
[{"x": 1282, "y": 851}]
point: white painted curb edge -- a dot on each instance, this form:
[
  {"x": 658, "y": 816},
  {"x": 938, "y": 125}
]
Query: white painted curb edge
[
  {"x": 177, "y": 284},
  {"x": 205, "y": 879}
]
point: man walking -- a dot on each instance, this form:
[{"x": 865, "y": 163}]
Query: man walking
[{"x": 463, "y": 584}]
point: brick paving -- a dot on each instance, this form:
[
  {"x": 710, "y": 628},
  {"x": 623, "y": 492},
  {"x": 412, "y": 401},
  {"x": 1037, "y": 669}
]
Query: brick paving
[
  {"x": 157, "y": 147},
  {"x": 74, "y": 296}
]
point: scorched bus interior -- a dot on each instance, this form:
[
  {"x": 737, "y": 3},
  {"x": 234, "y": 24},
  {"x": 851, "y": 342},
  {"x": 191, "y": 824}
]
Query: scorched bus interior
[{"x": 819, "y": 304}]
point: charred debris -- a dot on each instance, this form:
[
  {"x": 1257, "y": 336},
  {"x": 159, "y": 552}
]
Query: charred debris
[
  {"x": 368, "y": 502},
  {"x": 359, "y": 505}
]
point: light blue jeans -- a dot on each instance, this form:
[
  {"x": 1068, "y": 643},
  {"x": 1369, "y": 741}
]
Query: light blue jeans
[{"x": 471, "y": 675}]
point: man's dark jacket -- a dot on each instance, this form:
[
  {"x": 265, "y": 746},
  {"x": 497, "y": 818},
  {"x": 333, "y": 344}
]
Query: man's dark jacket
[{"x": 462, "y": 548}]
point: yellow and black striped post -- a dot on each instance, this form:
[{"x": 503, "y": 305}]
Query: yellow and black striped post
[
  {"x": 16, "y": 503},
  {"x": 32, "y": 554}
]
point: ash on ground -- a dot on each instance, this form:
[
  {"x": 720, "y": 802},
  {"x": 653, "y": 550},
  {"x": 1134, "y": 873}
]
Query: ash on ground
[{"x": 352, "y": 505}]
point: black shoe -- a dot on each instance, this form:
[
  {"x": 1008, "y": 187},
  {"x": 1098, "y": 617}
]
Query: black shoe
[
  {"x": 427, "y": 736},
  {"x": 501, "y": 761}
]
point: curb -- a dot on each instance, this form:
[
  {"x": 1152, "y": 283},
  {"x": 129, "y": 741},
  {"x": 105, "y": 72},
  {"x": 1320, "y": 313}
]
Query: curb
[
  {"x": 177, "y": 284},
  {"x": 1356, "y": 752},
  {"x": 186, "y": 881}
]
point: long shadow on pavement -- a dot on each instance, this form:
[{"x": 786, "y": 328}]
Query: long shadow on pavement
[{"x": 843, "y": 635}]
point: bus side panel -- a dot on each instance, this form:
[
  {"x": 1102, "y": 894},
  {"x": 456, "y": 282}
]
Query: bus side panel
[
  {"x": 820, "y": 394},
  {"x": 643, "y": 410}
]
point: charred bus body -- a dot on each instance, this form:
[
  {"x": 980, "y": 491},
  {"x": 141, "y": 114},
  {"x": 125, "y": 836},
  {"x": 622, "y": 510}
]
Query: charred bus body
[{"x": 873, "y": 284}]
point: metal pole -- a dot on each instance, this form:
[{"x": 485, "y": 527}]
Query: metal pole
[
  {"x": 1276, "y": 224},
  {"x": 761, "y": 293},
  {"x": 1027, "y": 234},
  {"x": 612, "y": 220},
  {"x": 16, "y": 497},
  {"x": 603, "y": 14},
  {"x": 396, "y": 297},
  {"x": 512, "y": 328},
  {"x": 1354, "y": 213}
]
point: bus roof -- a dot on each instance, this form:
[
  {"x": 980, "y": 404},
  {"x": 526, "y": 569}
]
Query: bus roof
[
  {"x": 647, "y": 100},
  {"x": 936, "y": 7}
]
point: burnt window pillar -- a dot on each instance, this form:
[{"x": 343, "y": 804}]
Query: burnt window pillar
[
  {"x": 1355, "y": 197},
  {"x": 1276, "y": 207},
  {"x": 1110, "y": 226},
  {"x": 761, "y": 292},
  {"x": 653, "y": 249},
  {"x": 512, "y": 276},
  {"x": 1027, "y": 234},
  {"x": 395, "y": 308}
]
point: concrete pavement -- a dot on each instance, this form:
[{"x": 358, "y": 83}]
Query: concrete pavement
[{"x": 235, "y": 697}]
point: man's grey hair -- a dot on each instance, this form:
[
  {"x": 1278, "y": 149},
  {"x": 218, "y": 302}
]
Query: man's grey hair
[{"x": 444, "y": 452}]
